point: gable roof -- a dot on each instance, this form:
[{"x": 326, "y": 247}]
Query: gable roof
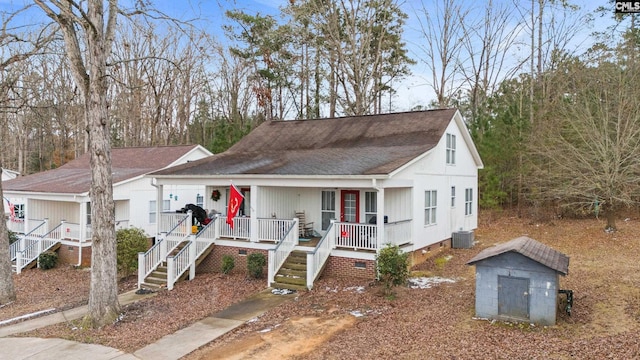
[
  {"x": 530, "y": 248},
  {"x": 356, "y": 145},
  {"x": 74, "y": 177}
]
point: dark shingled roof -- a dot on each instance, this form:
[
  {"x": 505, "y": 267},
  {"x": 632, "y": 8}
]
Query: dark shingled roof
[
  {"x": 74, "y": 177},
  {"x": 357, "y": 145},
  {"x": 530, "y": 248}
]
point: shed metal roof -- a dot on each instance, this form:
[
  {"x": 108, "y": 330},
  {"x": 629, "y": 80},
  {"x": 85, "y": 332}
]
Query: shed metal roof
[{"x": 530, "y": 248}]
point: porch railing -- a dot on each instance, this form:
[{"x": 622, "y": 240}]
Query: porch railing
[
  {"x": 170, "y": 220},
  {"x": 397, "y": 233},
  {"x": 241, "y": 228},
  {"x": 356, "y": 236},
  {"x": 279, "y": 254},
  {"x": 273, "y": 229},
  {"x": 17, "y": 226},
  {"x": 38, "y": 245},
  {"x": 72, "y": 232},
  {"x": 317, "y": 258}
]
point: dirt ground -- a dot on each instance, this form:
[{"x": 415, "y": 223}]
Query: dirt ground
[
  {"x": 343, "y": 319},
  {"x": 351, "y": 319}
]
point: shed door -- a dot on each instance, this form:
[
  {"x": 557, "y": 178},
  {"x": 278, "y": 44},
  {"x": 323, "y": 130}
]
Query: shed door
[{"x": 513, "y": 297}]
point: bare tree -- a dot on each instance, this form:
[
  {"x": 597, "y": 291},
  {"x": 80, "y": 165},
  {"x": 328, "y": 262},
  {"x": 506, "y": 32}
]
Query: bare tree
[
  {"x": 88, "y": 30},
  {"x": 444, "y": 39}
]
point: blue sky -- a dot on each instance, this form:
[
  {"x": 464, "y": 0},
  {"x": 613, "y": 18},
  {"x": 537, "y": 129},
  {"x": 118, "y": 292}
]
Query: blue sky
[{"x": 411, "y": 91}]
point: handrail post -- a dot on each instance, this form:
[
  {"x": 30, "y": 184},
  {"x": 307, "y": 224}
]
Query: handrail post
[
  {"x": 311, "y": 270},
  {"x": 163, "y": 245},
  {"x": 170, "y": 272},
  {"x": 141, "y": 269},
  {"x": 19, "y": 262},
  {"x": 192, "y": 256},
  {"x": 271, "y": 269}
]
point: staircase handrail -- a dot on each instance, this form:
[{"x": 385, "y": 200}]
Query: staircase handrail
[
  {"x": 149, "y": 260},
  {"x": 279, "y": 254},
  {"x": 319, "y": 255},
  {"x": 186, "y": 257},
  {"x": 25, "y": 240},
  {"x": 41, "y": 244}
]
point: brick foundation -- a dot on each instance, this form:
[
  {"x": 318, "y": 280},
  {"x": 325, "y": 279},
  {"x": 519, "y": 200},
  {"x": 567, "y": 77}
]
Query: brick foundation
[
  {"x": 68, "y": 255},
  {"x": 421, "y": 255},
  {"x": 213, "y": 262},
  {"x": 346, "y": 267}
]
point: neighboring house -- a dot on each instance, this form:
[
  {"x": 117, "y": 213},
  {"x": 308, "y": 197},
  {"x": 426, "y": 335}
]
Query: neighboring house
[
  {"x": 416, "y": 170},
  {"x": 9, "y": 174},
  {"x": 57, "y": 201},
  {"x": 519, "y": 280}
]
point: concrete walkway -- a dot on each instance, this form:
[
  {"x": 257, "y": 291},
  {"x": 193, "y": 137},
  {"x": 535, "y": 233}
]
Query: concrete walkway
[{"x": 171, "y": 347}]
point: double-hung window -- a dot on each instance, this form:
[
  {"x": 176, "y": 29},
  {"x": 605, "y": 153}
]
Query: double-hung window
[
  {"x": 328, "y": 209},
  {"x": 430, "y": 203},
  {"x": 451, "y": 149},
  {"x": 468, "y": 201},
  {"x": 166, "y": 205},
  {"x": 453, "y": 196},
  {"x": 370, "y": 205}
]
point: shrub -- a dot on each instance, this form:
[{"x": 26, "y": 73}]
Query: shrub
[
  {"x": 13, "y": 237},
  {"x": 47, "y": 260},
  {"x": 255, "y": 263},
  {"x": 393, "y": 267},
  {"x": 228, "y": 263},
  {"x": 130, "y": 241}
]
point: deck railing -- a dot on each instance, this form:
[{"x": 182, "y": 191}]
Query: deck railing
[
  {"x": 273, "y": 229},
  {"x": 317, "y": 258},
  {"x": 279, "y": 254},
  {"x": 16, "y": 225},
  {"x": 397, "y": 233},
  {"x": 356, "y": 236},
  {"x": 72, "y": 231},
  {"x": 170, "y": 220},
  {"x": 28, "y": 239},
  {"x": 241, "y": 228}
]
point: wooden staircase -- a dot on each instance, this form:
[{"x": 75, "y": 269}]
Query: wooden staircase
[
  {"x": 158, "y": 278},
  {"x": 34, "y": 262},
  {"x": 293, "y": 273}
]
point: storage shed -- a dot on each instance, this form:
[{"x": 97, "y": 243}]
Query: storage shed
[{"x": 519, "y": 280}]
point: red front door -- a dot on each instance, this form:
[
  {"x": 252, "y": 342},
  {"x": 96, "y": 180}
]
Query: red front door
[{"x": 349, "y": 203}]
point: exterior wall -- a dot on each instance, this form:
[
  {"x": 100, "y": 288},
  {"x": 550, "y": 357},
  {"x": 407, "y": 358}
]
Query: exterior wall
[
  {"x": 432, "y": 173},
  {"x": 338, "y": 266},
  {"x": 213, "y": 262},
  {"x": 139, "y": 193},
  {"x": 543, "y": 287}
]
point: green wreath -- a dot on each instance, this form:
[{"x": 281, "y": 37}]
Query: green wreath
[{"x": 215, "y": 195}]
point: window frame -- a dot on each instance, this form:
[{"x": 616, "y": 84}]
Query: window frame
[
  {"x": 327, "y": 207},
  {"x": 370, "y": 205},
  {"x": 430, "y": 207},
  {"x": 468, "y": 201},
  {"x": 451, "y": 149}
]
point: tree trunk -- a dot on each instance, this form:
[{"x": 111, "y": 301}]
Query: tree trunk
[
  {"x": 611, "y": 220},
  {"x": 7, "y": 291}
]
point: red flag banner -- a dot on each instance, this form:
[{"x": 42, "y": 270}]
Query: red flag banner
[{"x": 235, "y": 199}]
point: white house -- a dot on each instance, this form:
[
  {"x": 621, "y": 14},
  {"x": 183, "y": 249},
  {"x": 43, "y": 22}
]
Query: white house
[
  {"x": 416, "y": 170},
  {"x": 56, "y": 202}
]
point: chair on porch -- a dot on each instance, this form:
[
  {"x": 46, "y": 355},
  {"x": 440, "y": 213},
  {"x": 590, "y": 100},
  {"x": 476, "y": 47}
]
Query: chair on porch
[{"x": 305, "y": 228}]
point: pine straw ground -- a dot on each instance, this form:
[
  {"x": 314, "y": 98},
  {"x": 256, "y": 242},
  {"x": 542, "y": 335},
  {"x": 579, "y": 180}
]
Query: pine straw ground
[{"x": 350, "y": 319}]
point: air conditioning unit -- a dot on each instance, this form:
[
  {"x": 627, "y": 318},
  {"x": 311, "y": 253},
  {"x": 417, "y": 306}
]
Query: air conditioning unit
[{"x": 462, "y": 240}]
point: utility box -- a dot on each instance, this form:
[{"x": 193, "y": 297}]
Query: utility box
[{"x": 462, "y": 240}]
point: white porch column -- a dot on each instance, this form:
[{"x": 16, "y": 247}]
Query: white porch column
[
  {"x": 253, "y": 220},
  {"x": 159, "y": 190},
  {"x": 83, "y": 223},
  {"x": 380, "y": 218}
]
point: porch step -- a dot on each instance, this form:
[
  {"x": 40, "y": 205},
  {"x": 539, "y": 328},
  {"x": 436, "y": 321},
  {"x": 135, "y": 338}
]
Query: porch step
[
  {"x": 158, "y": 278},
  {"x": 293, "y": 273}
]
